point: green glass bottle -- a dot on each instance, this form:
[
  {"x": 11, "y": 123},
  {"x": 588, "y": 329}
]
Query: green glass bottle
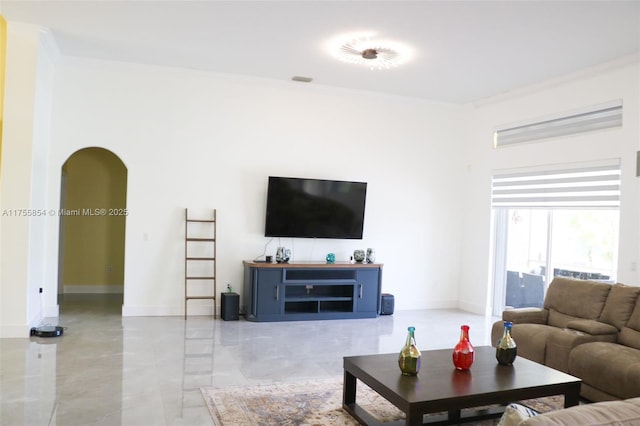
[
  {"x": 409, "y": 358},
  {"x": 506, "y": 348}
]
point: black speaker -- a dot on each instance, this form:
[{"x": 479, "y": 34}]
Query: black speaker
[
  {"x": 387, "y": 304},
  {"x": 229, "y": 306}
]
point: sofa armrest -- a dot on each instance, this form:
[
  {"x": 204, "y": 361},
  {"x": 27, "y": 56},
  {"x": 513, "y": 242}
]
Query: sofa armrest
[
  {"x": 526, "y": 315},
  {"x": 623, "y": 412},
  {"x": 592, "y": 327}
]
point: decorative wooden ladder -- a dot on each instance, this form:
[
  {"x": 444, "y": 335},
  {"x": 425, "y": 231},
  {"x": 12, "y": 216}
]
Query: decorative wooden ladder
[{"x": 199, "y": 238}]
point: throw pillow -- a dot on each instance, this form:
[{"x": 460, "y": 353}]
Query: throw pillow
[
  {"x": 516, "y": 413},
  {"x": 619, "y": 305}
]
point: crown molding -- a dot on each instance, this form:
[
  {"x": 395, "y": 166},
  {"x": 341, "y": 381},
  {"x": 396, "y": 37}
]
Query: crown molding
[
  {"x": 49, "y": 44},
  {"x": 622, "y": 62},
  {"x": 36, "y": 33}
]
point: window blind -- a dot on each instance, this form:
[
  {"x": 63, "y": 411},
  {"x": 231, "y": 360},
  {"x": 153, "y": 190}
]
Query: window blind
[
  {"x": 595, "y": 118},
  {"x": 587, "y": 187}
]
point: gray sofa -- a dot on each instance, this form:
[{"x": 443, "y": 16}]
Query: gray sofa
[{"x": 588, "y": 329}]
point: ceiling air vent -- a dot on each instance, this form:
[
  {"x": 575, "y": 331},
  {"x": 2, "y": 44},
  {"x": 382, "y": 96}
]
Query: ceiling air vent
[
  {"x": 593, "y": 118},
  {"x": 302, "y": 79}
]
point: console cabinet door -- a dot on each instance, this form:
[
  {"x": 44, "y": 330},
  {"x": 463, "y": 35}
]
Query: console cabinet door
[
  {"x": 367, "y": 291},
  {"x": 269, "y": 292}
]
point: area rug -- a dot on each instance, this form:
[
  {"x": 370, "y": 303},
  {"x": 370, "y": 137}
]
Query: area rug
[{"x": 317, "y": 403}]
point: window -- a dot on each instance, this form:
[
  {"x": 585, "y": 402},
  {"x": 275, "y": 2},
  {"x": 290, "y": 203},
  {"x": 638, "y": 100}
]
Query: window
[{"x": 557, "y": 222}]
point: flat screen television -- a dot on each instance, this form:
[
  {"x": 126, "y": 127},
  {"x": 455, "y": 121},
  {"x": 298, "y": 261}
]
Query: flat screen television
[{"x": 314, "y": 208}]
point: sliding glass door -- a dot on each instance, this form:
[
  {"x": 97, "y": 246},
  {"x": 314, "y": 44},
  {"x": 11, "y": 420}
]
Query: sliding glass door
[{"x": 553, "y": 224}]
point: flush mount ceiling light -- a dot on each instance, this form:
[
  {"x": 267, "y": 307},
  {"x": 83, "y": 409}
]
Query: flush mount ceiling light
[{"x": 363, "y": 49}]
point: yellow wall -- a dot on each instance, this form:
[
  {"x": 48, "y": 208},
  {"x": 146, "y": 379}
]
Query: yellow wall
[
  {"x": 3, "y": 50},
  {"x": 93, "y": 244}
]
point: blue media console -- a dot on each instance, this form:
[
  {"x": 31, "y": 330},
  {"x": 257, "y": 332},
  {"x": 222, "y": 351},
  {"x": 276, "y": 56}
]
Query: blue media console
[{"x": 311, "y": 291}]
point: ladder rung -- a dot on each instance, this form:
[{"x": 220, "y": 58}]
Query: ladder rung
[
  {"x": 199, "y": 355},
  {"x": 201, "y": 258},
  {"x": 201, "y": 239},
  {"x": 201, "y": 297},
  {"x": 201, "y": 220},
  {"x": 199, "y": 372},
  {"x": 200, "y": 278}
]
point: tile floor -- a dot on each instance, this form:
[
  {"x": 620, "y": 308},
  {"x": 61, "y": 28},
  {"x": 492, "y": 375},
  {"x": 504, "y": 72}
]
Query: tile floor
[{"x": 109, "y": 370}]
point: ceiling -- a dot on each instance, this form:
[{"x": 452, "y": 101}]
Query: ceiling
[{"x": 463, "y": 51}]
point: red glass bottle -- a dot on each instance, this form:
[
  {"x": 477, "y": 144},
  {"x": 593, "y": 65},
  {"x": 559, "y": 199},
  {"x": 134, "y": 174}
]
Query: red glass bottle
[{"x": 463, "y": 351}]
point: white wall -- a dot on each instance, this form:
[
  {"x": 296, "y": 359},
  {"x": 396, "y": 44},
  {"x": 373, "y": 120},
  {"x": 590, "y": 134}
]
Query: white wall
[
  {"x": 192, "y": 139},
  {"x": 620, "y": 82},
  {"x": 42, "y": 268},
  {"x": 23, "y": 269}
]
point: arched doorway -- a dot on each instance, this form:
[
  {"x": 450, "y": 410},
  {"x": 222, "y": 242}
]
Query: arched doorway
[{"x": 92, "y": 225}]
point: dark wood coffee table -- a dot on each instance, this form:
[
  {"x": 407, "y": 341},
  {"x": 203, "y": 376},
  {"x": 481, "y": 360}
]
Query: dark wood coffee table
[{"x": 440, "y": 388}]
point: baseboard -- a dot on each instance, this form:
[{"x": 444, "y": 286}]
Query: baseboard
[
  {"x": 93, "y": 289},
  {"x": 36, "y": 320},
  {"x": 473, "y": 308},
  {"x": 195, "y": 310},
  {"x": 14, "y": 330},
  {"x": 150, "y": 311},
  {"x": 166, "y": 311},
  {"x": 417, "y": 305}
]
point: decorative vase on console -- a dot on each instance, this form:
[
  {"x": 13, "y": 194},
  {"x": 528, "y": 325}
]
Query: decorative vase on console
[
  {"x": 506, "y": 348},
  {"x": 358, "y": 256},
  {"x": 409, "y": 358},
  {"x": 463, "y": 351},
  {"x": 280, "y": 254},
  {"x": 371, "y": 255}
]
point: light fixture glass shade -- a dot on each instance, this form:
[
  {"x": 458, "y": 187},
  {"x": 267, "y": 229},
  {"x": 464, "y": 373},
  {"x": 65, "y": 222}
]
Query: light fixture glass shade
[{"x": 363, "y": 49}]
